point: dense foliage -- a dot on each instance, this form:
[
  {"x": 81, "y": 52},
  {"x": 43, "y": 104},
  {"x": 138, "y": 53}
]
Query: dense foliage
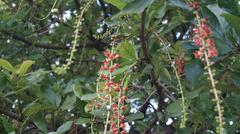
[{"x": 119, "y": 66}]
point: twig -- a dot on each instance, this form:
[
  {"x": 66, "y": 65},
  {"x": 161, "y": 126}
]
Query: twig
[
  {"x": 90, "y": 43},
  {"x": 11, "y": 115}
]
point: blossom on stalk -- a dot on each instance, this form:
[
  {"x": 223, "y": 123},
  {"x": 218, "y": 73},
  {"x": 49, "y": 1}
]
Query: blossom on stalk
[
  {"x": 116, "y": 103},
  {"x": 203, "y": 33}
]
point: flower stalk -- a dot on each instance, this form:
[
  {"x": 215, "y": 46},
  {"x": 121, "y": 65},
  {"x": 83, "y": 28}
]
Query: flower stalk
[{"x": 207, "y": 50}]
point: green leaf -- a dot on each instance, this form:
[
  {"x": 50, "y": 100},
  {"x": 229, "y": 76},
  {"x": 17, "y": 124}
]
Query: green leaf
[
  {"x": 235, "y": 77},
  {"x": 135, "y": 116},
  {"x": 193, "y": 94},
  {"x": 99, "y": 113},
  {"x": 82, "y": 120},
  {"x": 24, "y": 67},
  {"x": 6, "y": 65},
  {"x": 76, "y": 87},
  {"x": 193, "y": 72},
  {"x": 127, "y": 51},
  {"x": 117, "y": 3},
  {"x": 52, "y": 97},
  {"x": 121, "y": 70},
  {"x": 69, "y": 102},
  {"x": 214, "y": 22},
  {"x": 34, "y": 108},
  {"x": 180, "y": 4},
  {"x": 231, "y": 6},
  {"x": 6, "y": 124},
  {"x": 35, "y": 77},
  {"x": 40, "y": 123},
  {"x": 137, "y": 6},
  {"x": 223, "y": 48},
  {"x": 162, "y": 10},
  {"x": 88, "y": 97},
  {"x": 233, "y": 21},
  {"x": 160, "y": 69},
  {"x": 64, "y": 127},
  {"x": 188, "y": 45},
  {"x": 174, "y": 109}
]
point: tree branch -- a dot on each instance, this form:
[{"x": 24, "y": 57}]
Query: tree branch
[
  {"x": 160, "y": 88},
  {"x": 154, "y": 79},
  {"x": 11, "y": 115},
  {"x": 91, "y": 43}
]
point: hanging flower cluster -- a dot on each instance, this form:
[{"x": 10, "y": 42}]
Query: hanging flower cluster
[
  {"x": 202, "y": 36},
  {"x": 207, "y": 50},
  {"x": 113, "y": 93}
]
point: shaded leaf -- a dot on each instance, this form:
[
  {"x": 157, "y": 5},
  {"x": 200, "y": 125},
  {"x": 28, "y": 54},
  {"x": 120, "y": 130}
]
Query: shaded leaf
[
  {"x": 76, "y": 87},
  {"x": 69, "y": 102},
  {"x": 174, "y": 109},
  {"x": 34, "y": 108},
  {"x": 87, "y": 97},
  {"x": 64, "y": 127},
  {"x": 82, "y": 120},
  {"x": 233, "y": 21},
  {"x": 137, "y": 6},
  {"x": 135, "y": 116},
  {"x": 127, "y": 51},
  {"x": 180, "y": 3},
  {"x": 40, "y": 123},
  {"x": 193, "y": 72}
]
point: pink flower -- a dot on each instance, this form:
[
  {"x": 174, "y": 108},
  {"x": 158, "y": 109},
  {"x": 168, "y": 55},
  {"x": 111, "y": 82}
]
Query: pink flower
[
  {"x": 107, "y": 53},
  {"x": 212, "y": 52},
  {"x": 114, "y": 106},
  {"x": 210, "y": 43},
  {"x": 197, "y": 41},
  {"x": 207, "y": 30},
  {"x": 197, "y": 54},
  {"x": 194, "y": 5}
]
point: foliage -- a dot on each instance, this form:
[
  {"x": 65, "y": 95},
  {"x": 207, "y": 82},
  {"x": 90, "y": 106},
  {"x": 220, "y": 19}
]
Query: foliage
[{"x": 52, "y": 53}]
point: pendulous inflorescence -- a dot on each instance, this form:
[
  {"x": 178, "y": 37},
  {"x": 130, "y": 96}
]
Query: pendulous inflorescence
[
  {"x": 112, "y": 94},
  {"x": 207, "y": 49}
]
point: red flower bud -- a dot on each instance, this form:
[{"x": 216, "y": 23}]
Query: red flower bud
[
  {"x": 212, "y": 52},
  {"x": 194, "y": 5},
  {"x": 210, "y": 43},
  {"x": 104, "y": 77},
  {"x": 122, "y": 125},
  {"x": 115, "y": 56},
  {"x": 117, "y": 89},
  {"x": 107, "y": 53},
  {"x": 125, "y": 89},
  {"x": 123, "y": 132},
  {"x": 124, "y": 108},
  {"x": 114, "y": 106},
  {"x": 198, "y": 54},
  {"x": 104, "y": 68}
]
